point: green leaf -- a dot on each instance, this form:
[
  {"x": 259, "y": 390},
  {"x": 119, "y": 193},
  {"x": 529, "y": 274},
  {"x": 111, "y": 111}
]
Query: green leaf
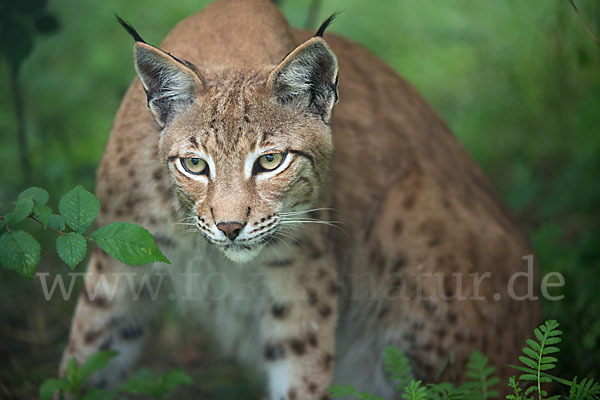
[
  {"x": 96, "y": 362},
  {"x": 71, "y": 248},
  {"x": 46, "y": 24},
  {"x": 22, "y": 210},
  {"x": 20, "y": 251},
  {"x": 342, "y": 390},
  {"x": 142, "y": 382},
  {"x": 38, "y": 195},
  {"x": 43, "y": 213},
  {"x": 173, "y": 379},
  {"x": 129, "y": 243},
  {"x": 79, "y": 208},
  {"x": 51, "y": 386},
  {"x": 56, "y": 222}
]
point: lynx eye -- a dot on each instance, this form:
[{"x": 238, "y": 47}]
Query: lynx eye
[
  {"x": 194, "y": 165},
  {"x": 268, "y": 162}
]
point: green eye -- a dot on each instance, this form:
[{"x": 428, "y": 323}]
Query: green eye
[
  {"x": 193, "y": 165},
  {"x": 269, "y": 162}
]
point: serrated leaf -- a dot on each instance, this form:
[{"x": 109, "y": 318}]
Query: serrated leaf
[
  {"x": 38, "y": 195},
  {"x": 528, "y": 377},
  {"x": 79, "y": 208},
  {"x": 56, "y": 222},
  {"x": 342, "y": 390},
  {"x": 42, "y": 212},
  {"x": 96, "y": 362},
  {"x": 528, "y": 361},
  {"x": 129, "y": 243},
  {"x": 553, "y": 340},
  {"x": 530, "y": 352},
  {"x": 72, "y": 370},
  {"x": 21, "y": 211},
  {"x": 534, "y": 345},
  {"x": 20, "y": 251},
  {"x": 71, "y": 248}
]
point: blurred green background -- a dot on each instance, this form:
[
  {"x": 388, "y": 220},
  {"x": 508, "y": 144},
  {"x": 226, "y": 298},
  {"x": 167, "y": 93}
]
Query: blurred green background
[{"x": 517, "y": 81}]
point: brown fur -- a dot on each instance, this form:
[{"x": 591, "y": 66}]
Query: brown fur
[{"x": 410, "y": 199}]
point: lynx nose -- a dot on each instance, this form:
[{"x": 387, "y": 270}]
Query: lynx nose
[{"x": 230, "y": 229}]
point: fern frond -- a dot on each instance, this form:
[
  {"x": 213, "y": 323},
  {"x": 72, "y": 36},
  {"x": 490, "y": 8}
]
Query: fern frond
[
  {"x": 517, "y": 391},
  {"x": 414, "y": 391},
  {"x": 447, "y": 391},
  {"x": 587, "y": 389},
  {"x": 537, "y": 357},
  {"x": 479, "y": 377},
  {"x": 397, "y": 365}
]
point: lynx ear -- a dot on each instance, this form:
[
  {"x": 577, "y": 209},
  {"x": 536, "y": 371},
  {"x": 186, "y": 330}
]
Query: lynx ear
[
  {"x": 308, "y": 78},
  {"x": 170, "y": 83}
]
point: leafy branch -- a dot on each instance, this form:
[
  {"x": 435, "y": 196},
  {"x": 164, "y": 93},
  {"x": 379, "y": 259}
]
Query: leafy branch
[{"x": 20, "y": 251}]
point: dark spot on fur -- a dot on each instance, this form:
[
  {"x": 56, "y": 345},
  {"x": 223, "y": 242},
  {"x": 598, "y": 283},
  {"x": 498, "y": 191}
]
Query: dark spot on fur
[
  {"x": 459, "y": 336},
  {"x": 297, "y": 346},
  {"x": 193, "y": 141},
  {"x": 398, "y": 227},
  {"x": 383, "y": 312},
  {"x": 312, "y": 387},
  {"x": 429, "y": 305},
  {"x": 131, "y": 331},
  {"x": 452, "y": 317},
  {"x": 123, "y": 160},
  {"x": 312, "y": 297},
  {"x": 292, "y": 395},
  {"x": 91, "y": 336},
  {"x": 106, "y": 343},
  {"x": 97, "y": 301},
  {"x": 312, "y": 340},
  {"x": 99, "y": 266},
  {"x": 157, "y": 175},
  {"x": 332, "y": 288},
  {"x": 399, "y": 262},
  {"x": 325, "y": 397},
  {"x": 327, "y": 361},
  {"x": 279, "y": 311},
  {"x": 325, "y": 311},
  {"x": 274, "y": 352},
  {"x": 409, "y": 202},
  {"x": 280, "y": 263},
  {"x": 246, "y": 119}
]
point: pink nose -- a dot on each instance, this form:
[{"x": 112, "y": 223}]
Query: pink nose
[{"x": 230, "y": 229}]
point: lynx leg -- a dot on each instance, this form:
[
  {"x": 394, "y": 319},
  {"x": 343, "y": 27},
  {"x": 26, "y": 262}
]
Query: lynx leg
[{"x": 113, "y": 313}]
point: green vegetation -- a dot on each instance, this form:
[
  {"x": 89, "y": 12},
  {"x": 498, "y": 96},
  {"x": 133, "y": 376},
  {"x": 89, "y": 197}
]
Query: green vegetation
[
  {"x": 481, "y": 384},
  {"x": 129, "y": 243},
  {"x": 517, "y": 81},
  {"x": 142, "y": 382}
]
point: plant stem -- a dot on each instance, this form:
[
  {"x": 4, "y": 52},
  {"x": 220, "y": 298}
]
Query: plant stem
[{"x": 21, "y": 132}]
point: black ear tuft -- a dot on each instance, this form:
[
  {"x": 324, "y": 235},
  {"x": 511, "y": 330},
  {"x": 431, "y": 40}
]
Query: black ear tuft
[
  {"x": 326, "y": 23},
  {"x": 130, "y": 30}
]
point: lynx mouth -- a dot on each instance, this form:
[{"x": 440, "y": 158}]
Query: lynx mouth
[{"x": 241, "y": 253}]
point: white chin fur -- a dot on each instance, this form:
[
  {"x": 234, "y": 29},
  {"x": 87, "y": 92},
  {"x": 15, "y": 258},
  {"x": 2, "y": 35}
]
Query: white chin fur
[{"x": 242, "y": 256}]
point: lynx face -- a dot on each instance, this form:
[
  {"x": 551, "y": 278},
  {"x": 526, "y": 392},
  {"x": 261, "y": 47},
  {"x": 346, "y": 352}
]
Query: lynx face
[{"x": 247, "y": 150}]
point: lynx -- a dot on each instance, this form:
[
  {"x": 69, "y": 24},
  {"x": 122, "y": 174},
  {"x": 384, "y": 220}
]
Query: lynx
[{"x": 307, "y": 234}]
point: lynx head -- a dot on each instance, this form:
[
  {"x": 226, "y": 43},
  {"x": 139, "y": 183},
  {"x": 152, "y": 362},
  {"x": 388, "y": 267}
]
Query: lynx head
[{"x": 247, "y": 148}]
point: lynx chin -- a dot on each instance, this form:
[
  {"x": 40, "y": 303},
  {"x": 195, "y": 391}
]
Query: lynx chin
[{"x": 232, "y": 149}]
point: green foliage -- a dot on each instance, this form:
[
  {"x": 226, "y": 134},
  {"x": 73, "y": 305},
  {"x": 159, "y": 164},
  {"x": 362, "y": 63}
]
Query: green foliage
[
  {"x": 20, "y": 251},
  {"x": 397, "y": 365},
  {"x": 76, "y": 376},
  {"x": 537, "y": 357},
  {"x": 349, "y": 390},
  {"x": 129, "y": 243},
  {"x": 146, "y": 383},
  {"x": 480, "y": 379},
  {"x": 414, "y": 391},
  {"x": 71, "y": 248},
  {"x": 143, "y": 382},
  {"x": 587, "y": 389},
  {"x": 79, "y": 208}
]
